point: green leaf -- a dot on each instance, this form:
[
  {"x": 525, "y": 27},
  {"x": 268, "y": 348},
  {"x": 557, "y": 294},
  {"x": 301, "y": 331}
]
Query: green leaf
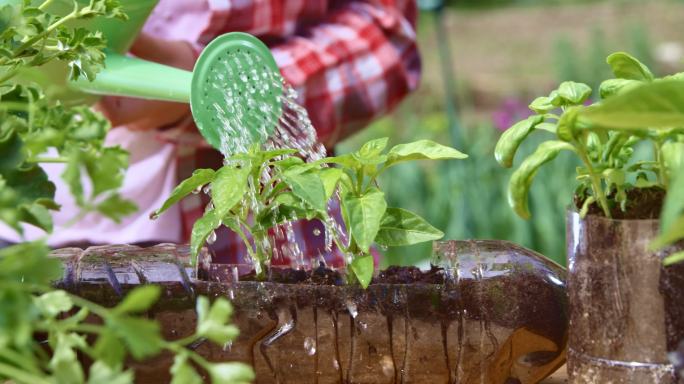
[
  {"x": 29, "y": 263},
  {"x": 400, "y": 227},
  {"x": 673, "y": 157},
  {"x": 653, "y": 105},
  {"x": 364, "y": 214},
  {"x": 107, "y": 170},
  {"x": 674, "y": 258},
  {"x": 573, "y": 93},
  {"x": 141, "y": 336},
  {"x": 567, "y": 125},
  {"x": 673, "y": 210},
  {"x": 64, "y": 363},
  {"x": 116, "y": 207},
  {"x": 371, "y": 152},
  {"x": 541, "y": 105},
  {"x": 183, "y": 372},
  {"x": 347, "y": 161},
  {"x": 510, "y": 140},
  {"x": 110, "y": 349},
  {"x": 31, "y": 183},
  {"x": 330, "y": 178},
  {"x": 229, "y": 187},
  {"x": 521, "y": 180},
  {"x": 613, "y": 87},
  {"x": 309, "y": 187},
  {"x": 101, "y": 373},
  {"x": 199, "y": 178},
  {"x": 37, "y": 215},
  {"x": 201, "y": 230},
  {"x": 672, "y": 233},
  {"x": 139, "y": 300},
  {"x": 625, "y": 66},
  {"x": 420, "y": 150},
  {"x": 362, "y": 266},
  {"x": 53, "y": 303},
  {"x": 222, "y": 373},
  {"x": 12, "y": 154},
  {"x": 211, "y": 321}
]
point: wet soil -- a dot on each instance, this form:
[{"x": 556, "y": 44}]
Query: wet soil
[{"x": 642, "y": 203}]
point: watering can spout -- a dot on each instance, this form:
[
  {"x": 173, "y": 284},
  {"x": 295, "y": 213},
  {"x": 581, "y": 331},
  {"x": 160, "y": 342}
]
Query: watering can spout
[{"x": 132, "y": 77}]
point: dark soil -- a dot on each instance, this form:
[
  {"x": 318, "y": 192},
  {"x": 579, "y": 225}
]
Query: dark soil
[
  {"x": 642, "y": 203},
  {"x": 326, "y": 276}
]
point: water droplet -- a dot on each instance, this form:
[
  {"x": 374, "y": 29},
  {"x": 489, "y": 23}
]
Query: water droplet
[
  {"x": 316, "y": 232},
  {"x": 228, "y": 346},
  {"x": 211, "y": 239},
  {"x": 387, "y": 365},
  {"x": 336, "y": 364},
  {"x": 154, "y": 215},
  {"x": 310, "y": 346},
  {"x": 197, "y": 190},
  {"x": 351, "y": 307}
]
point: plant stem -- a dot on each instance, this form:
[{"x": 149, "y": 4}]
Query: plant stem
[
  {"x": 59, "y": 159},
  {"x": 662, "y": 171},
  {"x": 48, "y": 30},
  {"x": 9, "y": 75},
  {"x": 595, "y": 180},
  {"x": 45, "y": 4},
  {"x": 13, "y": 373}
]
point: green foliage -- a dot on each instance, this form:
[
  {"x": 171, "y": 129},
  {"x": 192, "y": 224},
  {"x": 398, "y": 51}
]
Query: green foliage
[
  {"x": 637, "y": 108},
  {"x": 32, "y": 124},
  {"x": 46, "y": 334},
  {"x": 261, "y": 190},
  {"x": 29, "y": 307}
]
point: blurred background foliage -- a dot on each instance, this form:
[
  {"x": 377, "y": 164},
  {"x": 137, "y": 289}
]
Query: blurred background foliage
[{"x": 483, "y": 62}]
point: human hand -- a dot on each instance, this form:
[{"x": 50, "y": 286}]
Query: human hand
[{"x": 139, "y": 114}]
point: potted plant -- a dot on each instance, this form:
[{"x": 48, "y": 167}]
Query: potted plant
[
  {"x": 48, "y": 335},
  {"x": 618, "y": 313}
]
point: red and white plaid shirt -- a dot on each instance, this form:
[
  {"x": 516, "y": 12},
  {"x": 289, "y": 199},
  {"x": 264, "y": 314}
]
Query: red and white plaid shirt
[{"x": 350, "y": 61}]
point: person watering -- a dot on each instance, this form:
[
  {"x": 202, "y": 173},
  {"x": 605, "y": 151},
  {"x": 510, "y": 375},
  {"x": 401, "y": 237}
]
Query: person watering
[{"x": 350, "y": 61}]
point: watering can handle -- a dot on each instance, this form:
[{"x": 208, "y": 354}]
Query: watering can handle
[{"x": 133, "y": 77}]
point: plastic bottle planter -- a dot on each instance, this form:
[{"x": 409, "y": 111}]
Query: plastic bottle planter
[
  {"x": 625, "y": 307},
  {"x": 495, "y": 313}
]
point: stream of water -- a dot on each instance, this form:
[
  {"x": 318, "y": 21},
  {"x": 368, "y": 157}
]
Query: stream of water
[{"x": 247, "y": 114}]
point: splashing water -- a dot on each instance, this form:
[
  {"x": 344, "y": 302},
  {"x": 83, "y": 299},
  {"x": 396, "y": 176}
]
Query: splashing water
[{"x": 247, "y": 115}]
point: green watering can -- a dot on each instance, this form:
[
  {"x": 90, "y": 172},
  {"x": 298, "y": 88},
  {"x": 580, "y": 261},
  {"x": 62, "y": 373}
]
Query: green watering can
[{"x": 236, "y": 54}]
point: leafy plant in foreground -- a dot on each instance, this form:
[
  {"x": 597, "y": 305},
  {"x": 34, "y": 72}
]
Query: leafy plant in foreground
[
  {"x": 35, "y": 130},
  {"x": 635, "y": 108},
  {"x": 32, "y": 312},
  {"x": 258, "y": 192},
  {"x": 43, "y": 330}
]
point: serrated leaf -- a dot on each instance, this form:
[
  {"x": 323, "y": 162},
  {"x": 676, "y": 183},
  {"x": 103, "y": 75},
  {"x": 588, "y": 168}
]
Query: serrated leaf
[
  {"x": 183, "y": 373},
  {"x": 53, "y": 303},
  {"x": 400, "y": 227},
  {"x": 364, "y": 214},
  {"x": 421, "y": 150},
  {"x": 521, "y": 180},
  {"x": 141, "y": 336},
  {"x": 116, "y": 207},
  {"x": 38, "y": 215},
  {"x": 110, "y": 349},
  {"x": 363, "y": 269},
  {"x": 212, "y": 320},
  {"x": 106, "y": 169},
  {"x": 199, "y": 178},
  {"x": 510, "y": 140},
  {"x": 625, "y": 66},
  {"x": 11, "y": 147},
  {"x": 101, "y": 373},
  {"x": 139, "y": 300},
  {"x": 230, "y": 373}
]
